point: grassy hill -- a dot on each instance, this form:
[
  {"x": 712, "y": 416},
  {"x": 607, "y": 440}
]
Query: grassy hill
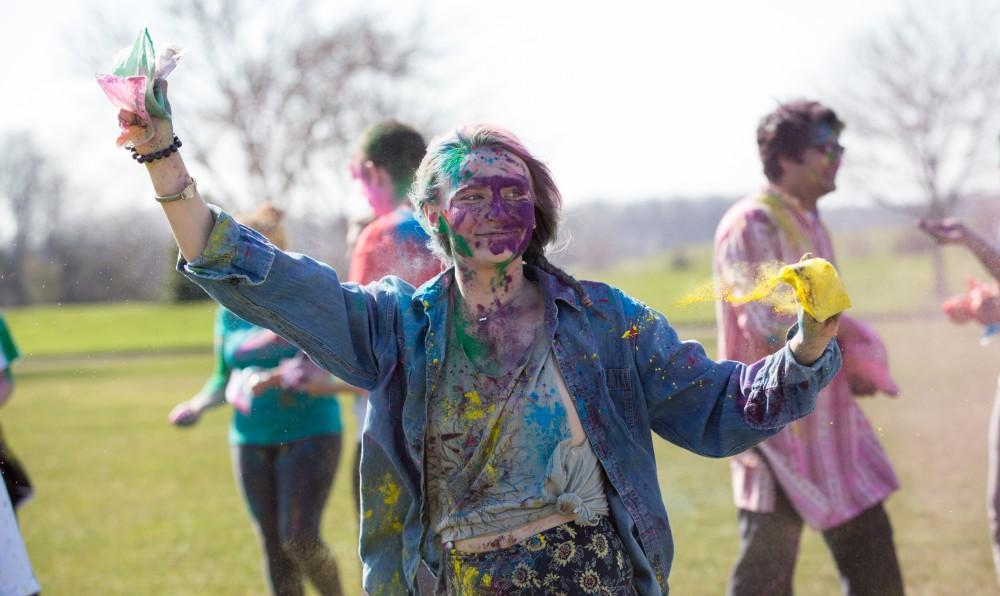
[{"x": 127, "y": 504}]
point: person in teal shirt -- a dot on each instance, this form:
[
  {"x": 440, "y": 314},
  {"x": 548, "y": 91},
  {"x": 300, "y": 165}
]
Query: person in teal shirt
[
  {"x": 285, "y": 435},
  {"x": 15, "y": 477}
]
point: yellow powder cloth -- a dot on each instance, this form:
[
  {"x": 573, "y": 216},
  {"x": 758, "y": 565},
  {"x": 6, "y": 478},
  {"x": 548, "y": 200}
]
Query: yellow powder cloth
[
  {"x": 814, "y": 282},
  {"x": 817, "y": 287}
]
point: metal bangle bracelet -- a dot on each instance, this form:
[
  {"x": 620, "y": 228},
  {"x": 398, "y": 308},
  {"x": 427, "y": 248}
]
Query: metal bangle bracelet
[{"x": 187, "y": 193}]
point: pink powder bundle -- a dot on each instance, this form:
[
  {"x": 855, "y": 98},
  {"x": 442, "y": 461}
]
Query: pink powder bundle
[{"x": 135, "y": 85}]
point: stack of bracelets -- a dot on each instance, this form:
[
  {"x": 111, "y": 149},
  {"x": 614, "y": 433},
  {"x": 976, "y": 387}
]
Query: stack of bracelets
[{"x": 172, "y": 148}]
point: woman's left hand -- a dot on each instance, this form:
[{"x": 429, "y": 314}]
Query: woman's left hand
[
  {"x": 946, "y": 231},
  {"x": 263, "y": 381},
  {"x": 812, "y": 338}
]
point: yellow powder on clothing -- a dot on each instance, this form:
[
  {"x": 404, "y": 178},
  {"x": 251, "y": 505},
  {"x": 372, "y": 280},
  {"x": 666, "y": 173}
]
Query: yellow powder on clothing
[
  {"x": 390, "y": 490},
  {"x": 468, "y": 577}
]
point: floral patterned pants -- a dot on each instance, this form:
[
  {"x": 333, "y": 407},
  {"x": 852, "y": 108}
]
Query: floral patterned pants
[{"x": 568, "y": 559}]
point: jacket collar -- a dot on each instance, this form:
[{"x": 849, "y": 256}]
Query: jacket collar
[{"x": 433, "y": 295}]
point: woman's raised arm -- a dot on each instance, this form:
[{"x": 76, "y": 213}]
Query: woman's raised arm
[
  {"x": 190, "y": 218},
  {"x": 297, "y": 297}
]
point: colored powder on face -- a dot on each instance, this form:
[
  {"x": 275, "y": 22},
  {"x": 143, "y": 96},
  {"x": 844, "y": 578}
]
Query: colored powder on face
[
  {"x": 514, "y": 214},
  {"x": 506, "y": 213},
  {"x": 523, "y": 221},
  {"x": 451, "y": 163},
  {"x": 458, "y": 244},
  {"x": 814, "y": 282}
]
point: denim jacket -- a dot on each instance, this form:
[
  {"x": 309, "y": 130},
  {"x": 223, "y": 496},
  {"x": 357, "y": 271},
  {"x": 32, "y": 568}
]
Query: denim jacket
[{"x": 624, "y": 365}]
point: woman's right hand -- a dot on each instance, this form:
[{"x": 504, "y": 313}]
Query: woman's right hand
[
  {"x": 134, "y": 128},
  {"x": 946, "y": 231},
  {"x": 264, "y": 380},
  {"x": 184, "y": 414}
]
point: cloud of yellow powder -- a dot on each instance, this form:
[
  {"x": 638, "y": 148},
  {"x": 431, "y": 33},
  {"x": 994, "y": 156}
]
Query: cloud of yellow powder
[{"x": 813, "y": 282}]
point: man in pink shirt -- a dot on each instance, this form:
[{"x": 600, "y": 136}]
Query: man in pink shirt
[
  {"x": 393, "y": 243},
  {"x": 828, "y": 469}
]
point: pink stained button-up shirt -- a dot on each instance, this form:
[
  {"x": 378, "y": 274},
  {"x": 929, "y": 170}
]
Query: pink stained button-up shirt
[{"x": 830, "y": 464}]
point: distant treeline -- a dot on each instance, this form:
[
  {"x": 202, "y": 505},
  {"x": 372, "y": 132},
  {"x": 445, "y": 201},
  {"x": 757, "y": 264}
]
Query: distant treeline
[
  {"x": 601, "y": 234},
  {"x": 131, "y": 256}
]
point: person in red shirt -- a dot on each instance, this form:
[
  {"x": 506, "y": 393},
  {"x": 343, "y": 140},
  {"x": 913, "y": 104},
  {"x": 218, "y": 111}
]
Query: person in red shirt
[{"x": 393, "y": 243}]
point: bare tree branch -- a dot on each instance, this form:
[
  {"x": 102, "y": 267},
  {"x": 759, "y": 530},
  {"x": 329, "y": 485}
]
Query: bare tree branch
[
  {"x": 287, "y": 91},
  {"x": 923, "y": 97},
  {"x": 32, "y": 190}
]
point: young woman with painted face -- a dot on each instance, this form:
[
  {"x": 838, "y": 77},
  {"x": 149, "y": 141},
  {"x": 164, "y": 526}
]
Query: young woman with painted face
[{"x": 508, "y": 443}]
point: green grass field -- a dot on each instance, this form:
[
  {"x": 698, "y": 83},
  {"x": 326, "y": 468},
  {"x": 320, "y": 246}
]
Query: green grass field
[
  {"x": 100, "y": 328},
  {"x": 126, "y": 504}
]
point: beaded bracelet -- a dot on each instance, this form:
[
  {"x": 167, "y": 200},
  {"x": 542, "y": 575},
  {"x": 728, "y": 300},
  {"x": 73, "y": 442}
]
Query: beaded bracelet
[{"x": 172, "y": 148}]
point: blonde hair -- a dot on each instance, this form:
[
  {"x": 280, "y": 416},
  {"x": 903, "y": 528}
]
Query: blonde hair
[{"x": 266, "y": 219}]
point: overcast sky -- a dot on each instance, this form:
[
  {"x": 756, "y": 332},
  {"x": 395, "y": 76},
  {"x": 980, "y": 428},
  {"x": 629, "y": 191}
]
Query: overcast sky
[{"x": 625, "y": 100}]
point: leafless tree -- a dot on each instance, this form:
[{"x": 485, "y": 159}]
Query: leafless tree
[
  {"x": 31, "y": 190},
  {"x": 286, "y": 90},
  {"x": 280, "y": 90},
  {"x": 922, "y": 92}
]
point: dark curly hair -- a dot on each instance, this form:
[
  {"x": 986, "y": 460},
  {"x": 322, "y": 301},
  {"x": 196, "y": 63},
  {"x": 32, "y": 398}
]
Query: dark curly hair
[{"x": 789, "y": 130}]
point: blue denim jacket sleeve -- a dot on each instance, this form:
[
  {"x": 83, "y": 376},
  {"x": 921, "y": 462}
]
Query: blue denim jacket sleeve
[
  {"x": 297, "y": 297},
  {"x": 720, "y": 408}
]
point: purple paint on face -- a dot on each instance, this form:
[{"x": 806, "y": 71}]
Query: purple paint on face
[
  {"x": 492, "y": 207},
  {"x": 510, "y": 214}
]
